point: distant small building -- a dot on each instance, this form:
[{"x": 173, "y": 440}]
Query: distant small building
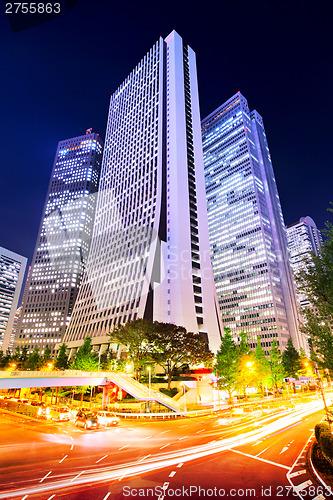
[
  {"x": 304, "y": 239},
  {"x": 12, "y": 269}
]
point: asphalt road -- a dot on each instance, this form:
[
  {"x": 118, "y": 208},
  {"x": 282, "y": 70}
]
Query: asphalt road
[{"x": 236, "y": 458}]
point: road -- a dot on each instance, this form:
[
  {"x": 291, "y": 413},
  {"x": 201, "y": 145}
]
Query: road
[{"x": 242, "y": 457}]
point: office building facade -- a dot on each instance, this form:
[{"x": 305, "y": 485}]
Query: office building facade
[
  {"x": 304, "y": 239},
  {"x": 247, "y": 234},
  {"x": 12, "y": 269},
  {"x": 150, "y": 251},
  {"x": 63, "y": 243}
]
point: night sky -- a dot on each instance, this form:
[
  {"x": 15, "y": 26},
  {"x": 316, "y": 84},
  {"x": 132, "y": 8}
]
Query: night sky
[{"x": 56, "y": 80}]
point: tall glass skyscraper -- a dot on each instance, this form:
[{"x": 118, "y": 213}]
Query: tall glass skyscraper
[
  {"x": 150, "y": 251},
  {"x": 304, "y": 239},
  {"x": 62, "y": 244},
  {"x": 12, "y": 269},
  {"x": 247, "y": 235}
]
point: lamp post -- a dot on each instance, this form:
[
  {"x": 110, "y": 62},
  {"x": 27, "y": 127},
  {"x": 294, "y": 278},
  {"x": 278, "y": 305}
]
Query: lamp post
[
  {"x": 184, "y": 397},
  {"x": 99, "y": 358},
  {"x": 322, "y": 395}
]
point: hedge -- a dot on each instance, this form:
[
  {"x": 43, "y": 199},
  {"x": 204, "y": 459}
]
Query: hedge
[{"x": 325, "y": 440}]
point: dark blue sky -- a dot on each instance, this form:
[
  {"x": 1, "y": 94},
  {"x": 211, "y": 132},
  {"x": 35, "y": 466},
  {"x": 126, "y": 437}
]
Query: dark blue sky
[{"x": 56, "y": 80}]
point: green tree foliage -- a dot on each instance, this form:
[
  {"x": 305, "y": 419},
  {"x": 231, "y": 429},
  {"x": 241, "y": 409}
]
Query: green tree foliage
[
  {"x": 61, "y": 361},
  {"x": 85, "y": 359},
  {"x": 227, "y": 363},
  {"x": 316, "y": 281},
  {"x": 134, "y": 336},
  {"x": 291, "y": 360},
  {"x": 33, "y": 361},
  {"x": 173, "y": 346},
  {"x": 276, "y": 366},
  {"x": 261, "y": 366}
]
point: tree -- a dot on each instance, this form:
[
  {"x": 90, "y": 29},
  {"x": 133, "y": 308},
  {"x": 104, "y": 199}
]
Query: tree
[
  {"x": 134, "y": 336},
  {"x": 276, "y": 366},
  {"x": 61, "y": 362},
  {"x": 33, "y": 361},
  {"x": 315, "y": 280},
  {"x": 261, "y": 366},
  {"x": 291, "y": 360},
  {"x": 227, "y": 363},
  {"x": 85, "y": 359},
  {"x": 173, "y": 346},
  {"x": 321, "y": 338}
]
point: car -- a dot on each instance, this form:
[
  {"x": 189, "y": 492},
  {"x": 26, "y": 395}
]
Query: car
[
  {"x": 59, "y": 413},
  {"x": 86, "y": 420},
  {"x": 107, "y": 418}
]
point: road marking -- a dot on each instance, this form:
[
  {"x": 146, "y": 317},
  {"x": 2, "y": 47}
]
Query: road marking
[
  {"x": 101, "y": 459},
  {"x": 182, "y": 438},
  {"x": 145, "y": 457},
  {"x": 302, "y": 486},
  {"x": 263, "y": 451},
  {"x": 122, "y": 477},
  {"x": 126, "y": 446},
  {"x": 71, "y": 438},
  {"x": 76, "y": 476},
  {"x": 180, "y": 464},
  {"x": 25, "y": 496},
  {"x": 172, "y": 473},
  {"x": 164, "y": 446},
  {"x": 63, "y": 459},
  {"x": 165, "y": 486},
  {"x": 107, "y": 495},
  {"x": 72, "y": 446},
  {"x": 166, "y": 431},
  {"x": 284, "y": 449},
  {"x": 52, "y": 496},
  {"x": 261, "y": 459},
  {"x": 45, "y": 476},
  {"x": 147, "y": 437},
  {"x": 298, "y": 473},
  {"x": 200, "y": 431},
  {"x": 182, "y": 426}
]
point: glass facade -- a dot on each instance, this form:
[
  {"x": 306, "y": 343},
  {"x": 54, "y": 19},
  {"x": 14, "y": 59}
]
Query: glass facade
[
  {"x": 247, "y": 236},
  {"x": 12, "y": 269},
  {"x": 62, "y": 244},
  {"x": 150, "y": 252},
  {"x": 304, "y": 239}
]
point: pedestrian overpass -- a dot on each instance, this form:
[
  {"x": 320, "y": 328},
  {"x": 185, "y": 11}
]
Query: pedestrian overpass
[{"x": 31, "y": 379}]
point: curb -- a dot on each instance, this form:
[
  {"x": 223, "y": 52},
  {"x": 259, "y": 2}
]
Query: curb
[{"x": 314, "y": 471}]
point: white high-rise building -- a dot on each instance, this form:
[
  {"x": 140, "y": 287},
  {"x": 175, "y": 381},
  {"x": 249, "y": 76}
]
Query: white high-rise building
[
  {"x": 304, "y": 239},
  {"x": 150, "y": 253},
  {"x": 62, "y": 244},
  {"x": 247, "y": 235},
  {"x": 12, "y": 269}
]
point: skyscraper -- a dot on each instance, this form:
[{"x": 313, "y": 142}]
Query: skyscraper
[
  {"x": 247, "y": 236},
  {"x": 12, "y": 269},
  {"x": 62, "y": 244},
  {"x": 150, "y": 252},
  {"x": 304, "y": 239}
]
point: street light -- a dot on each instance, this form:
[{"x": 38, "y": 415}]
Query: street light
[
  {"x": 183, "y": 385},
  {"x": 99, "y": 358}
]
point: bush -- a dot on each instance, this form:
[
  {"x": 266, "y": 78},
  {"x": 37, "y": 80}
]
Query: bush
[
  {"x": 170, "y": 393},
  {"x": 325, "y": 440}
]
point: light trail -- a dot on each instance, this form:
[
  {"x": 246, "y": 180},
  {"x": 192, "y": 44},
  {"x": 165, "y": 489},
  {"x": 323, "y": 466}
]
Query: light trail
[{"x": 153, "y": 463}]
